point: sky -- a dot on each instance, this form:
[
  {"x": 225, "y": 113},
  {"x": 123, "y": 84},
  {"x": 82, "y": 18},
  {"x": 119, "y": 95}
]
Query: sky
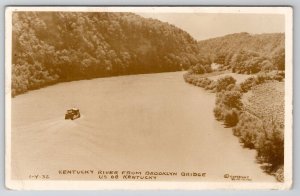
[{"x": 209, "y": 25}]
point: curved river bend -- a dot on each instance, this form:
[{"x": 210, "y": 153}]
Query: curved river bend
[{"x": 150, "y": 122}]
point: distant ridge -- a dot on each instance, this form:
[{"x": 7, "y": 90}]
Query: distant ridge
[{"x": 235, "y": 49}]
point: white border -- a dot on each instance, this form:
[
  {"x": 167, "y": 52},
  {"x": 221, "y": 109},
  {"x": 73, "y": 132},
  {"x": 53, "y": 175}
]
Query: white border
[{"x": 157, "y": 185}]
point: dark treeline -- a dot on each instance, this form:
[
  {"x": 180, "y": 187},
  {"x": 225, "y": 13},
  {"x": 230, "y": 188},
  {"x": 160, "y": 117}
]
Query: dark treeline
[
  {"x": 246, "y": 53},
  {"x": 49, "y": 47}
]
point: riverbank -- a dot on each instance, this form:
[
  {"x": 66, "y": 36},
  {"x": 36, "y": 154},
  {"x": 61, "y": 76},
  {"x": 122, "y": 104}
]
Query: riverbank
[{"x": 254, "y": 108}]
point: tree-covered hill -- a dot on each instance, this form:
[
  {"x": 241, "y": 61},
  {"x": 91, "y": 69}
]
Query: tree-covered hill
[
  {"x": 49, "y": 47},
  {"x": 246, "y": 53}
]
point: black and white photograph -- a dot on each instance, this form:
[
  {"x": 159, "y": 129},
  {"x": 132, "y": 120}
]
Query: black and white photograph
[{"x": 148, "y": 97}]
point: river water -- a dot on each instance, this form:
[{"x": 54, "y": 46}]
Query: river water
[{"x": 149, "y": 122}]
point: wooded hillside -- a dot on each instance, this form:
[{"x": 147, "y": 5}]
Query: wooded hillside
[
  {"x": 61, "y": 46},
  {"x": 51, "y": 47},
  {"x": 246, "y": 53}
]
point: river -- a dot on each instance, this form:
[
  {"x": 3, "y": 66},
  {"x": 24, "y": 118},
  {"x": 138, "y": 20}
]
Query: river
[{"x": 149, "y": 122}]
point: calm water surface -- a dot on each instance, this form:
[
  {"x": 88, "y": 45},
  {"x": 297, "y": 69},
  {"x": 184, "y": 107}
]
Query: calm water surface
[{"x": 151, "y": 122}]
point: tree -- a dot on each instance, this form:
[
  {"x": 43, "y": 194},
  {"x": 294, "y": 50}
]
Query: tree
[
  {"x": 279, "y": 58},
  {"x": 231, "y": 117},
  {"x": 267, "y": 65},
  {"x": 232, "y": 99},
  {"x": 270, "y": 144},
  {"x": 224, "y": 82}
]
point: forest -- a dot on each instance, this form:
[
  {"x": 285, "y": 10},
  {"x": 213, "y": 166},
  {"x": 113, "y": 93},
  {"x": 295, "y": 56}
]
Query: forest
[
  {"x": 52, "y": 47},
  {"x": 246, "y": 53}
]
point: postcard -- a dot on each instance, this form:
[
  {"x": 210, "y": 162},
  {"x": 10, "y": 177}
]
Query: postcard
[{"x": 146, "y": 98}]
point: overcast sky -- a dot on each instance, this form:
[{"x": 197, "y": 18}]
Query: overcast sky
[{"x": 208, "y": 25}]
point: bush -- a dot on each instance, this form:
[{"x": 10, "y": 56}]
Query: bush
[
  {"x": 263, "y": 77},
  {"x": 247, "y": 84},
  {"x": 247, "y": 129},
  {"x": 236, "y": 131},
  {"x": 248, "y": 137},
  {"x": 230, "y": 87},
  {"x": 200, "y": 69},
  {"x": 224, "y": 82},
  {"x": 232, "y": 99},
  {"x": 212, "y": 85},
  {"x": 228, "y": 104},
  {"x": 206, "y": 81},
  {"x": 218, "y": 112},
  {"x": 208, "y": 68},
  {"x": 270, "y": 144},
  {"x": 197, "y": 69},
  {"x": 267, "y": 66},
  {"x": 231, "y": 117}
]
